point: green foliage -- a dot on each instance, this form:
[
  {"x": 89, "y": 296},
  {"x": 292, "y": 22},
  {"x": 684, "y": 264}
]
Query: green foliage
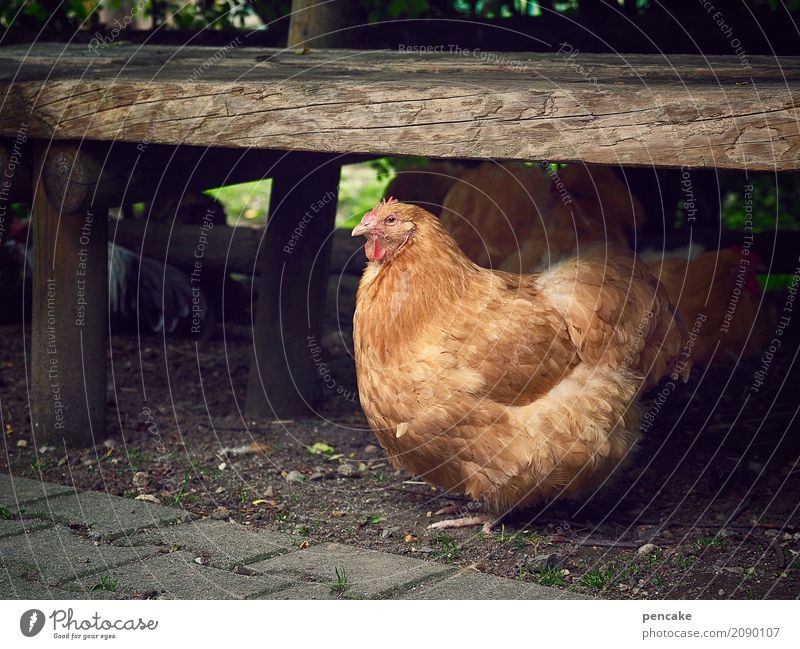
[
  {"x": 775, "y": 201},
  {"x": 340, "y": 585},
  {"x": 445, "y": 548},
  {"x": 105, "y": 583},
  {"x": 550, "y": 577},
  {"x": 599, "y": 578}
]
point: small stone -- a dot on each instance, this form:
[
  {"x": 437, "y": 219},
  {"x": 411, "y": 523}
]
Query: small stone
[
  {"x": 199, "y": 561},
  {"x": 647, "y": 549},
  {"x": 219, "y": 490},
  {"x": 317, "y": 475},
  {"x": 110, "y": 443},
  {"x": 222, "y": 466},
  {"x": 771, "y": 533},
  {"x": 22, "y": 443},
  {"x": 734, "y": 570},
  {"x": 244, "y": 570},
  {"x": 141, "y": 480},
  {"x": 150, "y": 498},
  {"x": 346, "y": 470},
  {"x": 370, "y": 449},
  {"x": 46, "y": 449},
  {"x": 727, "y": 534},
  {"x": 220, "y": 514},
  {"x": 721, "y": 591},
  {"x": 269, "y": 493},
  {"x": 294, "y": 476}
]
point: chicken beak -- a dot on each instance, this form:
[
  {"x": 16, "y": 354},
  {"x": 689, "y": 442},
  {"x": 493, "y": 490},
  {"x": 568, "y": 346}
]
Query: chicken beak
[{"x": 360, "y": 230}]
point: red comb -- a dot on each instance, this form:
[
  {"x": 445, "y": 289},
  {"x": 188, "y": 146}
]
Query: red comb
[{"x": 385, "y": 201}]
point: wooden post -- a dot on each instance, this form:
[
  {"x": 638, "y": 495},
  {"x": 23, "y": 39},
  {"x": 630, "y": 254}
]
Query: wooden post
[
  {"x": 316, "y": 24},
  {"x": 70, "y": 305},
  {"x": 295, "y": 259}
]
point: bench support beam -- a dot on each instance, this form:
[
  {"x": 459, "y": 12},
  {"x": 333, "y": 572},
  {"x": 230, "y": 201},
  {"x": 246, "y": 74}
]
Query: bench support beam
[
  {"x": 69, "y": 315},
  {"x": 294, "y": 260}
]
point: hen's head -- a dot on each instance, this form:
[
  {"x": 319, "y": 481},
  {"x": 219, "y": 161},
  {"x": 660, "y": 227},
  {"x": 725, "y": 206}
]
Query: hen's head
[{"x": 389, "y": 227}]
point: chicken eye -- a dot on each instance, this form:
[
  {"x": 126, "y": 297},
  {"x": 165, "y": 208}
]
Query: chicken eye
[{"x": 391, "y": 219}]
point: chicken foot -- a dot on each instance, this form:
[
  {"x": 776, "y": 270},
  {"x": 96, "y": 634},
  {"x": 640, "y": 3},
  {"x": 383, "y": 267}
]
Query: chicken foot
[{"x": 487, "y": 521}]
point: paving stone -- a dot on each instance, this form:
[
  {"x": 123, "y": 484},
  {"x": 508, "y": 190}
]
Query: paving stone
[
  {"x": 16, "y": 525},
  {"x": 177, "y": 576},
  {"x": 303, "y": 590},
  {"x": 16, "y": 491},
  {"x": 106, "y": 517},
  {"x": 470, "y": 584},
  {"x": 369, "y": 573},
  {"x": 19, "y": 588},
  {"x": 222, "y": 544},
  {"x": 53, "y": 556}
]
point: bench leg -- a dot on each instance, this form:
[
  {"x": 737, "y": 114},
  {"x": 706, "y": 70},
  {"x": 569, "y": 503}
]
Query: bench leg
[
  {"x": 294, "y": 261},
  {"x": 69, "y": 319}
]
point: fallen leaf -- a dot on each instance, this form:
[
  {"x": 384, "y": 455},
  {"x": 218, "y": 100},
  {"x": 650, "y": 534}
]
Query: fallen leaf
[
  {"x": 150, "y": 498},
  {"x": 410, "y": 538},
  {"x": 321, "y": 448}
]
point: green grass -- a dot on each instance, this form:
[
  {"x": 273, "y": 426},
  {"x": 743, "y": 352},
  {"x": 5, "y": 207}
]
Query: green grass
[
  {"x": 39, "y": 465},
  {"x": 182, "y": 490},
  {"x": 550, "y": 577},
  {"x": 682, "y": 561},
  {"x": 599, "y": 578},
  {"x": 5, "y": 513},
  {"x": 445, "y": 548},
  {"x": 518, "y": 540},
  {"x": 361, "y": 188},
  {"x": 244, "y": 496},
  {"x": 708, "y": 543},
  {"x": 340, "y": 585},
  {"x": 106, "y": 583}
]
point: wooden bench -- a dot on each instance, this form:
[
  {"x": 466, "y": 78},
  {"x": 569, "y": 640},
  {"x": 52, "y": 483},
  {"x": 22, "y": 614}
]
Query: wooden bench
[{"x": 86, "y": 129}]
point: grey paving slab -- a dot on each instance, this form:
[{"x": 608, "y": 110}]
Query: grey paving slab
[
  {"x": 19, "y": 491},
  {"x": 221, "y": 544},
  {"x": 304, "y": 590},
  {"x": 15, "y": 526},
  {"x": 470, "y": 584},
  {"x": 19, "y": 588},
  {"x": 369, "y": 573},
  {"x": 104, "y": 516},
  {"x": 55, "y": 555},
  {"x": 177, "y": 576}
]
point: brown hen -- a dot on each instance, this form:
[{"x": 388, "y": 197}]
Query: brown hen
[
  {"x": 511, "y": 389},
  {"x": 719, "y": 299}
]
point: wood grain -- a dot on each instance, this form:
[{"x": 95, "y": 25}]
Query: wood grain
[
  {"x": 629, "y": 109},
  {"x": 69, "y": 320}
]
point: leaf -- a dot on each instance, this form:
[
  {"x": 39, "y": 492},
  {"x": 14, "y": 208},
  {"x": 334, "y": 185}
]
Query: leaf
[
  {"x": 321, "y": 448},
  {"x": 268, "y": 503}
]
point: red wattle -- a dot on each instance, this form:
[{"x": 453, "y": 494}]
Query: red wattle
[{"x": 375, "y": 249}]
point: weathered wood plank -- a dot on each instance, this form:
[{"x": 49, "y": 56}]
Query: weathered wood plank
[
  {"x": 69, "y": 319},
  {"x": 634, "y": 110},
  {"x": 294, "y": 260}
]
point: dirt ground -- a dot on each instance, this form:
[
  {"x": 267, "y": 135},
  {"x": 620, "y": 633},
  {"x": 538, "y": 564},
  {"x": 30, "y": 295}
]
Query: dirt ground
[{"x": 714, "y": 485}]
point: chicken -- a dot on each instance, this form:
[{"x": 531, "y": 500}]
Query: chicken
[
  {"x": 522, "y": 218},
  {"x": 718, "y": 297},
  {"x": 159, "y": 296},
  {"x": 426, "y": 185},
  {"x": 512, "y": 389}
]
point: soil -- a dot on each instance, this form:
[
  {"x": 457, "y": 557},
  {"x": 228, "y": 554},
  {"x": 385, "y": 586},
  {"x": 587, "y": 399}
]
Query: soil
[{"x": 714, "y": 485}]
